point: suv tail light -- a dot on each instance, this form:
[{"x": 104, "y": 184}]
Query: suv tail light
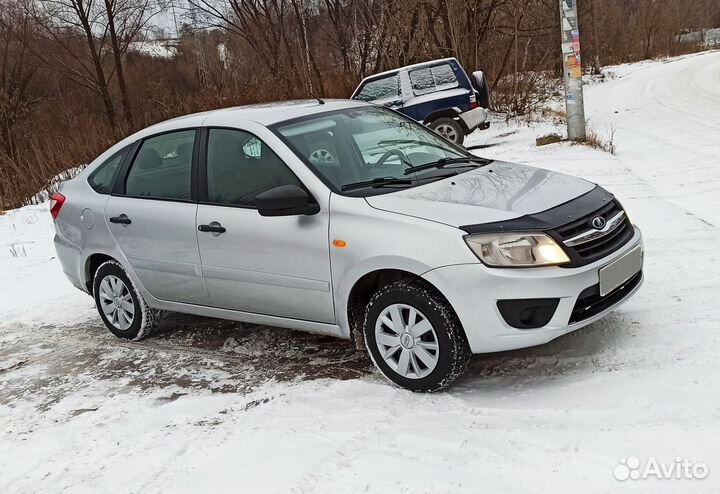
[
  {"x": 56, "y": 202},
  {"x": 473, "y": 101}
]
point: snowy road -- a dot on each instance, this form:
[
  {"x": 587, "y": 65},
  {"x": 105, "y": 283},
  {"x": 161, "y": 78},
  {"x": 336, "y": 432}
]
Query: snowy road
[
  {"x": 214, "y": 406},
  {"x": 669, "y": 112}
]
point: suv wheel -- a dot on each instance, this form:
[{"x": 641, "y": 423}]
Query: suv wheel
[
  {"x": 448, "y": 128},
  {"x": 121, "y": 308},
  {"x": 414, "y": 337}
]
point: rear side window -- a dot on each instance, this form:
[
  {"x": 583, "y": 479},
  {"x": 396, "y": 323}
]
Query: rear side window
[
  {"x": 422, "y": 81},
  {"x": 101, "y": 180},
  {"x": 387, "y": 88},
  {"x": 434, "y": 78},
  {"x": 162, "y": 168},
  {"x": 444, "y": 76}
]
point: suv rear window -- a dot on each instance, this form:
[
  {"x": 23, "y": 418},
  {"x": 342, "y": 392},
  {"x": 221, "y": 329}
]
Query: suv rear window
[
  {"x": 436, "y": 78},
  {"x": 444, "y": 76},
  {"x": 387, "y": 88}
]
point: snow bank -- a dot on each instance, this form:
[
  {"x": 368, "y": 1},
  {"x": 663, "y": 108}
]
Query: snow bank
[{"x": 33, "y": 288}]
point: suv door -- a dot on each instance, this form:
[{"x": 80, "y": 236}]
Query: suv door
[
  {"x": 151, "y": 215},
  {"x": 278, "y": 266}
]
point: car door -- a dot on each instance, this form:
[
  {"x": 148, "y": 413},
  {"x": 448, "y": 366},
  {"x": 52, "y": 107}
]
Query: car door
[
  {"x": 276, "y": 266},
  {"x": 151, "y": 215}
]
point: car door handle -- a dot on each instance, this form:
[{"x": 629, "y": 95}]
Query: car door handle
[
  {"x": 213, "y": 227},
  {"x": 122, "y": 219}
]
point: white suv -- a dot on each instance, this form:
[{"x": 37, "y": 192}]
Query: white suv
[{"x": 347, "y": 219}]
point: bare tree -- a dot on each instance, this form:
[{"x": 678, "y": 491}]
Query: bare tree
[
  {"x": 125, "y": 20},
  {"x": 70, "y": 68},
  {"x": 263, "y": 25},
  {"x": 85, "y": 34},
  {"x": 17, "y": 71},
  {"x": 75, "y": 27}
]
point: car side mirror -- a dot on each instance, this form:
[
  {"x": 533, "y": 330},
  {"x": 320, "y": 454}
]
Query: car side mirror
[{"x": 285, "y": 200}]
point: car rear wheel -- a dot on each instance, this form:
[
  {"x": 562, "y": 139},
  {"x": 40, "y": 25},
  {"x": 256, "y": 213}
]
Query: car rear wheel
[
  {"x": 121, "y": 307},
  {"x": 448, "y": 128},
  {"x": 414, "y": 337}
]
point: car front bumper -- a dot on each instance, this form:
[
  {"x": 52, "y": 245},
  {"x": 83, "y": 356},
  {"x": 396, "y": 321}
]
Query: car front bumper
[{"x": 473, "y": 290}]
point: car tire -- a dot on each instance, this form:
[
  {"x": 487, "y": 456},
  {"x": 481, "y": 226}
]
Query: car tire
[
  {"x": 423, "y": 352},
  {"x": 121, "y": 307},
  {"x": 449, "y": 128},
  {"x": 479, "y": 83}
]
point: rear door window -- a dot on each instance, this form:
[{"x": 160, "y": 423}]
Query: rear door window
[
  {"x": 162, "y": 168},
  {"x": 385, "y": 89}
]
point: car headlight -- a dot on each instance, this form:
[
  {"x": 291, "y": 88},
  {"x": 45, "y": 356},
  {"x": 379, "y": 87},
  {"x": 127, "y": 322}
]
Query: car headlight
[{"x": 517, "y": 249}]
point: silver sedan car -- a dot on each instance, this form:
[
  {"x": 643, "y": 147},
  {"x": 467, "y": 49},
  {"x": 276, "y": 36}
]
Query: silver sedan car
[{"x": 346, "y": 219}]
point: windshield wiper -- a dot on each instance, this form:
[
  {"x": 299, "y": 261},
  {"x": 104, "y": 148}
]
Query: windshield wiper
[
  {"x": 418, "y": 142},
  {"x": 443, "y": 162},
  {"x": 376, "y": 182}
]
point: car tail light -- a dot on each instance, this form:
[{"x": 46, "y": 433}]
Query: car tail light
[
  {"x": 473, "y": 101},
  {"x": 56, "y": 202}
]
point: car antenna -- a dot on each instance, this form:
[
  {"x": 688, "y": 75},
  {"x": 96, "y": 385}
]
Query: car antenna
[{"x": 314, "y": 96}]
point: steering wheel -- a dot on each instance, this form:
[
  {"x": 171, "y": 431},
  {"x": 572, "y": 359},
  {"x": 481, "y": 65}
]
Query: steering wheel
[{"x": 389, "y": 154}]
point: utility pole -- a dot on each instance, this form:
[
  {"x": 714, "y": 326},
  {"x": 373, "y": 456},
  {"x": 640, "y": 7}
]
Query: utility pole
[
  {"x": 572, "y": 70},
  {"x": 706, "y": 24},
  {"x": 596, "y": 39}
]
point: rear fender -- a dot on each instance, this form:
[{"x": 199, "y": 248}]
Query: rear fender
[{"x": 453, "y": 113}]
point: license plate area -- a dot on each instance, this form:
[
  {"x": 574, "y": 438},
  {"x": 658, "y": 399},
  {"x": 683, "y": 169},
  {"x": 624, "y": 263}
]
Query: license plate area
[{"x": 619, "y": 271}]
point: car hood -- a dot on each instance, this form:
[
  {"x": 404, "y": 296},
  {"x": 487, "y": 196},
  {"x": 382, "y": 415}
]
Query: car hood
[{"x": 497, "y": 192}]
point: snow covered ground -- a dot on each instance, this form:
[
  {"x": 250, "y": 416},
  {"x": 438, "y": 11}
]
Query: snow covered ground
[
  {"x": 212, "y": 406},
  {"x": 154, "y": 48}
]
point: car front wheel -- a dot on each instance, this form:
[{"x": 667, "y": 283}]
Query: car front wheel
[{"x": 414, "y": 337}]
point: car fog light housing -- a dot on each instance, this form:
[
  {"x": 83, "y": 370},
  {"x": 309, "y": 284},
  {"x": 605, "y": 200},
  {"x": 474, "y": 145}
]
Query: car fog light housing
[{"x": 517, "y": 249}]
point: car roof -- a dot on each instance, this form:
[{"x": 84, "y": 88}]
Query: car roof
[
  {"x": 407, "y": 67},
  {"x": 263, "y": 113}
]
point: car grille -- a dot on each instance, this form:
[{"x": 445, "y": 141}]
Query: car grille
[
  {"x": 585, "y": 243},
  {"x": 590, "y": 303}
]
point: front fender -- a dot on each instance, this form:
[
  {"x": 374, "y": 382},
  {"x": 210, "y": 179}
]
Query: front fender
[
  {"x": 348, "y": 279},
  {"x": 375, "y": 239}
]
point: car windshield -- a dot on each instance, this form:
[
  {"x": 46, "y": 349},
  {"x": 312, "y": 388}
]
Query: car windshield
[{"x": 368, "y": 150}]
